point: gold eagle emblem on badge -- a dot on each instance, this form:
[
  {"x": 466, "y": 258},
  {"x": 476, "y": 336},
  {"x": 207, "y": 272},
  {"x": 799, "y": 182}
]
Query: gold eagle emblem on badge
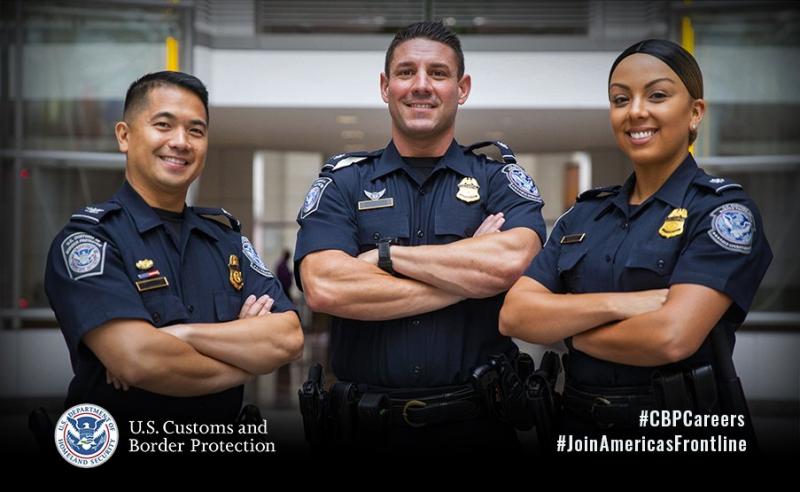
[
  {"x": 468, "y": 190},
  {"x": 235, "y": 276},
  {"x": 673, "y": 224},
  {"x": 145, "y": 264}
]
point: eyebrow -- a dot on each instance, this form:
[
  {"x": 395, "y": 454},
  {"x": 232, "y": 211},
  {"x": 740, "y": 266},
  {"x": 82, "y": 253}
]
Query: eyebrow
[
  {"x": 652, "y": 82},
  {"x": 167, "y": 114},
  {"x": 407, "y": 64}
]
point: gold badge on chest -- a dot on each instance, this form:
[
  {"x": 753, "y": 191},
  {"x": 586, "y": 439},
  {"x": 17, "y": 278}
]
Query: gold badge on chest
[
  {"x": 468, "y": 190},
  {"x": 673, "y": 224},
  {"x": 235, "y": 273}
]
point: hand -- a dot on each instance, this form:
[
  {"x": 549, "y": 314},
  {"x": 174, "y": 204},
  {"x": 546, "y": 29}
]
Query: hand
[
  {"x": 490, "y": 224},
  {"x": 645, "y": 301},
  {"x": 117, "y": 382},
  {"x": 254, "y": 307},
  {"x": 370, "y": 256}
]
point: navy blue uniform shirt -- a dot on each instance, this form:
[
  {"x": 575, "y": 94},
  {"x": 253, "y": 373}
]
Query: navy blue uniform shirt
[
  {"x": 362, "y": 198},
  {"x": 696, "y": 229},
  {"x": 117, "y": 260}
]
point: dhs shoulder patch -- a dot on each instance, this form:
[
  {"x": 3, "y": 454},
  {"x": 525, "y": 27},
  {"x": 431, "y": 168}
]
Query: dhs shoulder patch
[
  {"x": 733, "y": 227},
  {"x": 314, "y": 195},
  {"x": 521, "y": 183},
  {"x": 255, "y": 261},
  {"x": 84, "y": 255}
]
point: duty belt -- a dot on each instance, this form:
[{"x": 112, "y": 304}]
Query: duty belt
[
  {"x": 609, "y": 407},
  {"x": 416, "y": 407}
]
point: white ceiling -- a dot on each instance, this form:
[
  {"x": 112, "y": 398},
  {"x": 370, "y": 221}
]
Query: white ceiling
[{"x": 317, "y": 130}]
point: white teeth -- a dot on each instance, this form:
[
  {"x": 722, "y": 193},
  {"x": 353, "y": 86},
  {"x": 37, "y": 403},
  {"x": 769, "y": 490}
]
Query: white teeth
[
  {"x": 175, "y": 161},
  {"x": 423, "y": 106},
  {"x": 640, "y": 135}
]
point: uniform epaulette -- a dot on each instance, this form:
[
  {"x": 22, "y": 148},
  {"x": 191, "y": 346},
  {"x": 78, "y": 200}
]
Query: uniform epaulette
[
  {"x": 216, "y": 212},
  {"x": 718, "y": 185},
  {"x": 340, "y": 161},
  {"x": 601, "y": 192},
  {"x": 505, "y": 150},
  {"x": 95, "y": 213}
]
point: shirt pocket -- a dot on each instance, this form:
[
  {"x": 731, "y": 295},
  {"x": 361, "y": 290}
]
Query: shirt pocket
[
  {"x": 165, "y": 309},
  {"x": 382, "y": 224},
  {"x": 649, "y": 267},
  {"x": 571, "y": 268},
  {"x": 456, "y": 222},
  {"x": 227, "y": 305}
]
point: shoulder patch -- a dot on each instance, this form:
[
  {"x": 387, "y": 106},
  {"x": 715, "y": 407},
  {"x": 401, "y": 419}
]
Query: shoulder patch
[
  {"x": 505, "y": 150},
  {"x": 94, "y": 214},
  {"x": 733, "y": 227},
  {"x": 601, "y": 192},
  {"x": 84, "y": 255},
  {"x": 340, "y": 161},
  {"x": 521, "y": 183},
  {"x": 311, "y": 202},
  {"x": 255, "y": 261},
  {"x": 210, "y": 211}
]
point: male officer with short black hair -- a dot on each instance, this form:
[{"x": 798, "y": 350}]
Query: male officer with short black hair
[
  {"x": 411, "y": 249},
  {"x": 147, "y": 291}
]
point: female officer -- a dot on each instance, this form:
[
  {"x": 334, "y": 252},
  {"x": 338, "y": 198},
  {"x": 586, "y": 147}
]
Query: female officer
[{"x": 635, "y": 277}]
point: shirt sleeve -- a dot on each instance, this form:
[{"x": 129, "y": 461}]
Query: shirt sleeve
[
  {"x": 514, "y": 193},
  {"x": 727, "y": 251},
  {"x": 544, "y": 267},
  {"x": 327, "y": 221},
  {"x": 259, "y": 280},
  {"x": 86, "y": 283}
]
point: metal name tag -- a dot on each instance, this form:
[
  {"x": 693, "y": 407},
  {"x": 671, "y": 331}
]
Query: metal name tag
[{"x": 373, "y": 204}]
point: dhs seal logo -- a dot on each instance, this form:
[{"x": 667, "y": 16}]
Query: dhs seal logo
[{"x": 86, "y": 435}]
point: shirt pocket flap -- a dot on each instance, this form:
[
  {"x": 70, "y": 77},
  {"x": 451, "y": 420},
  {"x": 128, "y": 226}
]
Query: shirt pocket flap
[
  {"x": 165, "y": 309},
  {"x": 458, "y": 221},
  {"x": 377, "y": 225},
  {"x": 227, "y": 305},
  {"x": 657, "y": 260},
  {"x": 569, "y": 258}
]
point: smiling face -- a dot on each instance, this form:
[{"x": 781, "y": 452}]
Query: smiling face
[
  {"x": 651, "y": 110},
  {"x": 423, "y": 90},
  {"x": 165, "y": 141}
]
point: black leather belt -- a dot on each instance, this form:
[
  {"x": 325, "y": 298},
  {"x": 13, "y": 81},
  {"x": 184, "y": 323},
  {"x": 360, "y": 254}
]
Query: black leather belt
[
  {"x": 419, "y": 407},
  {"x": 609, "y": 407}
]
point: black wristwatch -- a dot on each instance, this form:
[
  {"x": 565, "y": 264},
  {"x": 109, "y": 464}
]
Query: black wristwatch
[{"x": 384, "y": 260}]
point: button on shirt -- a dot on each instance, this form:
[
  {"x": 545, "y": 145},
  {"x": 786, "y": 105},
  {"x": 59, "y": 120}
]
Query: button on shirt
[
  {"x": 343, "y": 211},
  {"x": 720, "y": 244},
  {"x": 117, "y": 260}
]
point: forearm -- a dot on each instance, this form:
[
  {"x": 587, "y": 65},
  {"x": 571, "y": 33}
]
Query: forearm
[
  {"x": 646, "y": 340},
  {"x": 169, "y": 366},
  {"x": 257, "y": 345},
  {"x": 338, "y": 284},
  {"x": 476, "y": 267},
  {"x": 662, "y": 336},
  {"x": 546, "y": 318}
]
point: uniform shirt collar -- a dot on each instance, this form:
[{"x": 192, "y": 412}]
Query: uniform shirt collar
[
  {"x": 391, "y": 160},
  {"x": 143, "y": 215},
  {"x": 146, "y": 218},
  {"x": 671, "y": 192}
]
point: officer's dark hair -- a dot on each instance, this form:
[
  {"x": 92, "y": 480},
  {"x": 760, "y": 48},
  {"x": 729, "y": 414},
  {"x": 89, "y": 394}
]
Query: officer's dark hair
[
  {"x": 678, "y": 59},
  {"x": 139, "y": 89},
  {"x": 433, "y": 30}
]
